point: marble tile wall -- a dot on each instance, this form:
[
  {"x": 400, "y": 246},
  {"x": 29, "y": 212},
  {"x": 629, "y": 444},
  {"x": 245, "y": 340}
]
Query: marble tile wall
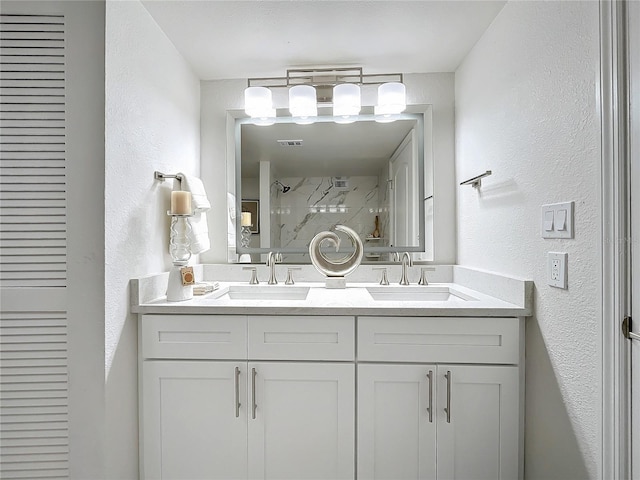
[{"x": 315, "y": 204}]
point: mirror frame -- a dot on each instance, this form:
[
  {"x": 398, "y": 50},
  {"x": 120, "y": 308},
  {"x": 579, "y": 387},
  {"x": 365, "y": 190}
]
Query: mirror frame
[{"x": 422, "y": 114}]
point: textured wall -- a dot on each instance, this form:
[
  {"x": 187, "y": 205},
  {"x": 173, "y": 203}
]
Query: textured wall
[
  {"x": 152, "y": 123},
  {"x": 526, "y": 108}
]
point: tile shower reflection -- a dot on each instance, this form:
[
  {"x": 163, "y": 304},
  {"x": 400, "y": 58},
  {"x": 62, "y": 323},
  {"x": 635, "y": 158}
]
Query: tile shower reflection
[{"x": 315, "y": 204}]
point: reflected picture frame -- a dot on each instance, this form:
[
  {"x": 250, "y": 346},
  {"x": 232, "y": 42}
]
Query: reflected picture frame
[{"x": 253, "y": 207}]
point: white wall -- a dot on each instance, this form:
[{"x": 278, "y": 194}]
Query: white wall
[
  {"x": 526, "y": 108},
  {"x": 436, "y": 89},
  {"x": 152, "y": 123}
]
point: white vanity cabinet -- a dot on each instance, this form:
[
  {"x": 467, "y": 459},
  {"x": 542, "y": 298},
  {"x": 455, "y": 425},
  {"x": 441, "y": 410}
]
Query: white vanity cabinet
[
  {"x": 236, "y": 397},
  {"x": 275, "y": 397},
  {"x": 396, "y": 438},
  {"x": 193, "y": 374},
  {"x": 478, "y": 434},
  {"x": 303, "y": 426},
  {"x": 190, "y": 428},
  {"x": 302, "y": 389},
  {"x": 436, "y": 420}
]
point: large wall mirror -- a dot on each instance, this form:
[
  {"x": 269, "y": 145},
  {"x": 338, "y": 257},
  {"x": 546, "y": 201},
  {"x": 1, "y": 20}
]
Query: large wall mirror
[{"x": 294, "y": 181}]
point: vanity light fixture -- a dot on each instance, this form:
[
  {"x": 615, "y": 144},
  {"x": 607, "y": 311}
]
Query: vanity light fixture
[
  {"x": 392, "y": 100},
  {"x": 325, "y": 87},
  {"x": 346, "y": 102},
  {"x": 258, "y": 104},
  {"x": 302, "y": 103}
]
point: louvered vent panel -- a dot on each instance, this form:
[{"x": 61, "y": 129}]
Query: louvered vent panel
[
  {"x": 33, "y": 340},
  {"x": 32, "y": 152},
  {"x": 33, "y": 395}
]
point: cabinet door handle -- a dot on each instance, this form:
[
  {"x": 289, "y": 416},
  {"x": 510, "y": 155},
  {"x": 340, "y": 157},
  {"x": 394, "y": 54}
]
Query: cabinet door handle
[
  {"x": 430, "y": 407},
  {"x": 448, "y": 408},
  {"x": 253, "y": 393},
  {"x": 237, "y": 392}
]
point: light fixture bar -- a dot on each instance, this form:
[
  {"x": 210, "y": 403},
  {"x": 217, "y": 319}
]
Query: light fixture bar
[
  {"x": 380, "y": 78},
  {"x": 325, "y": 76}
]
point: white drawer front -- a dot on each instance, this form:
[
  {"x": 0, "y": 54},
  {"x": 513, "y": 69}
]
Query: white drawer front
[
  {"x": 435, "y": 339},
  {"x": 219, "y": 337},
  {"x": 302, "y": 338}
]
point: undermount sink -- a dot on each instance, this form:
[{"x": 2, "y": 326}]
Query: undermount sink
[
  {"x": 267, "y": 292},
  {"x": 426, "y": 293}
]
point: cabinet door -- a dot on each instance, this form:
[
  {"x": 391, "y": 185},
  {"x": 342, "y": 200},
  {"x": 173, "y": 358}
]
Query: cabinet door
[
  {"x": 396, "y": 422},
  {"x": 478, "y": 422},
  {"x": 194, "y": 420},
  {"x": 302, "y": 421}
]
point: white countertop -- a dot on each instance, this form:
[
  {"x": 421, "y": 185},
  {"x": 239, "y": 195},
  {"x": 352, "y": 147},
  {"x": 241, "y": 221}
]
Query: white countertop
[{"x": 352, "y": 300}]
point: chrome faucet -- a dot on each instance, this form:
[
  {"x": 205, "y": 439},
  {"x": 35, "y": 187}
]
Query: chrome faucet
[
  {"x": 406, "y": 261},
  {"x": 272, "y": 259}
]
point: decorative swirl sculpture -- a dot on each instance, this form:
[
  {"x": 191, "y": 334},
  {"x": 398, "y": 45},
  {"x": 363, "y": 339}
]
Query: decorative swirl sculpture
[{"x": 343, "y": 266}]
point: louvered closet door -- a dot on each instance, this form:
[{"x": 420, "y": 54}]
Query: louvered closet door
[{"x": 33, "y": 325}]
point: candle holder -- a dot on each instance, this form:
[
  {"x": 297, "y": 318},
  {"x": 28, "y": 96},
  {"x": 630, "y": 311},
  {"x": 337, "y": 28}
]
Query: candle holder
[
  {"x": 245, "y": 236},
  {"x": 179, "y": 239},
  {"x": 179, "y": 249},
  {"x": 245, "y": 240}
]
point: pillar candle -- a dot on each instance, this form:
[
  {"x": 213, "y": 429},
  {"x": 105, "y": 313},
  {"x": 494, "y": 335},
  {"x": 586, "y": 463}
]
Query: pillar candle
[
  {"x": 181, "y": 203},
  {"x": 246, "y": 219}
]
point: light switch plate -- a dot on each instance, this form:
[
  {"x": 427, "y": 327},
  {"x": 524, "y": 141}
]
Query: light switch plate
[
  {"x": 557, "y": 269},
  {"x": 562, "y": 215}
]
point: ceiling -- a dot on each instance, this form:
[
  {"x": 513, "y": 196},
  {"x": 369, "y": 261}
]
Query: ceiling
[
  {"x": 328, "y": 149},
  {"x": 242, "y": 39}
]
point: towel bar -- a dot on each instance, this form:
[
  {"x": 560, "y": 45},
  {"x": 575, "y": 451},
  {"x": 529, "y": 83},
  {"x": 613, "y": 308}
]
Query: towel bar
[
  {"x": 163, "y": 176},
  {"x": 475, "y": 182}
]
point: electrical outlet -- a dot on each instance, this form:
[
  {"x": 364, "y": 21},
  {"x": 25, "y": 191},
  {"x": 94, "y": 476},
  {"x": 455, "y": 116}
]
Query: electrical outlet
[{"x": 557, "y": 269}]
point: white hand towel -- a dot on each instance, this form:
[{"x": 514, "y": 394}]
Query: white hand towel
[
  {"x": 199, "y": 200},
  {"x": 199, "y": 235},
  {"x": 199, "y": 238}
]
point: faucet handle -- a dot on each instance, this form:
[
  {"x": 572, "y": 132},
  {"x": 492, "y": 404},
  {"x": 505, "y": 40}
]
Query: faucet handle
[
  {"x": 423, "y": 275},
  {"x": 274, "y": 257},
  {"x": 254, "y": 275},
  {"x": 383, "y": 279},
  {"x": 289, "y": 280}
]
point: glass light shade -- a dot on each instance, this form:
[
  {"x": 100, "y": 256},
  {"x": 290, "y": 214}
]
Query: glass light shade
[
  {"x": 346, "y": 101},
  {"x": 268, "y": 119},
  {"x": 302, "y": 102},
  {"x": 385, "y": 118},
  {"x": 258, "y": 103},
  {"x": 392, "y": 99},
  {"x": 345, "y": 119}
]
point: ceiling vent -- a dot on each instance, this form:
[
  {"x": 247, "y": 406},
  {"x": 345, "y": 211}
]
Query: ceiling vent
[
  {"x": 290, "y": 143},
  {"x": 341, "y": 183}
]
